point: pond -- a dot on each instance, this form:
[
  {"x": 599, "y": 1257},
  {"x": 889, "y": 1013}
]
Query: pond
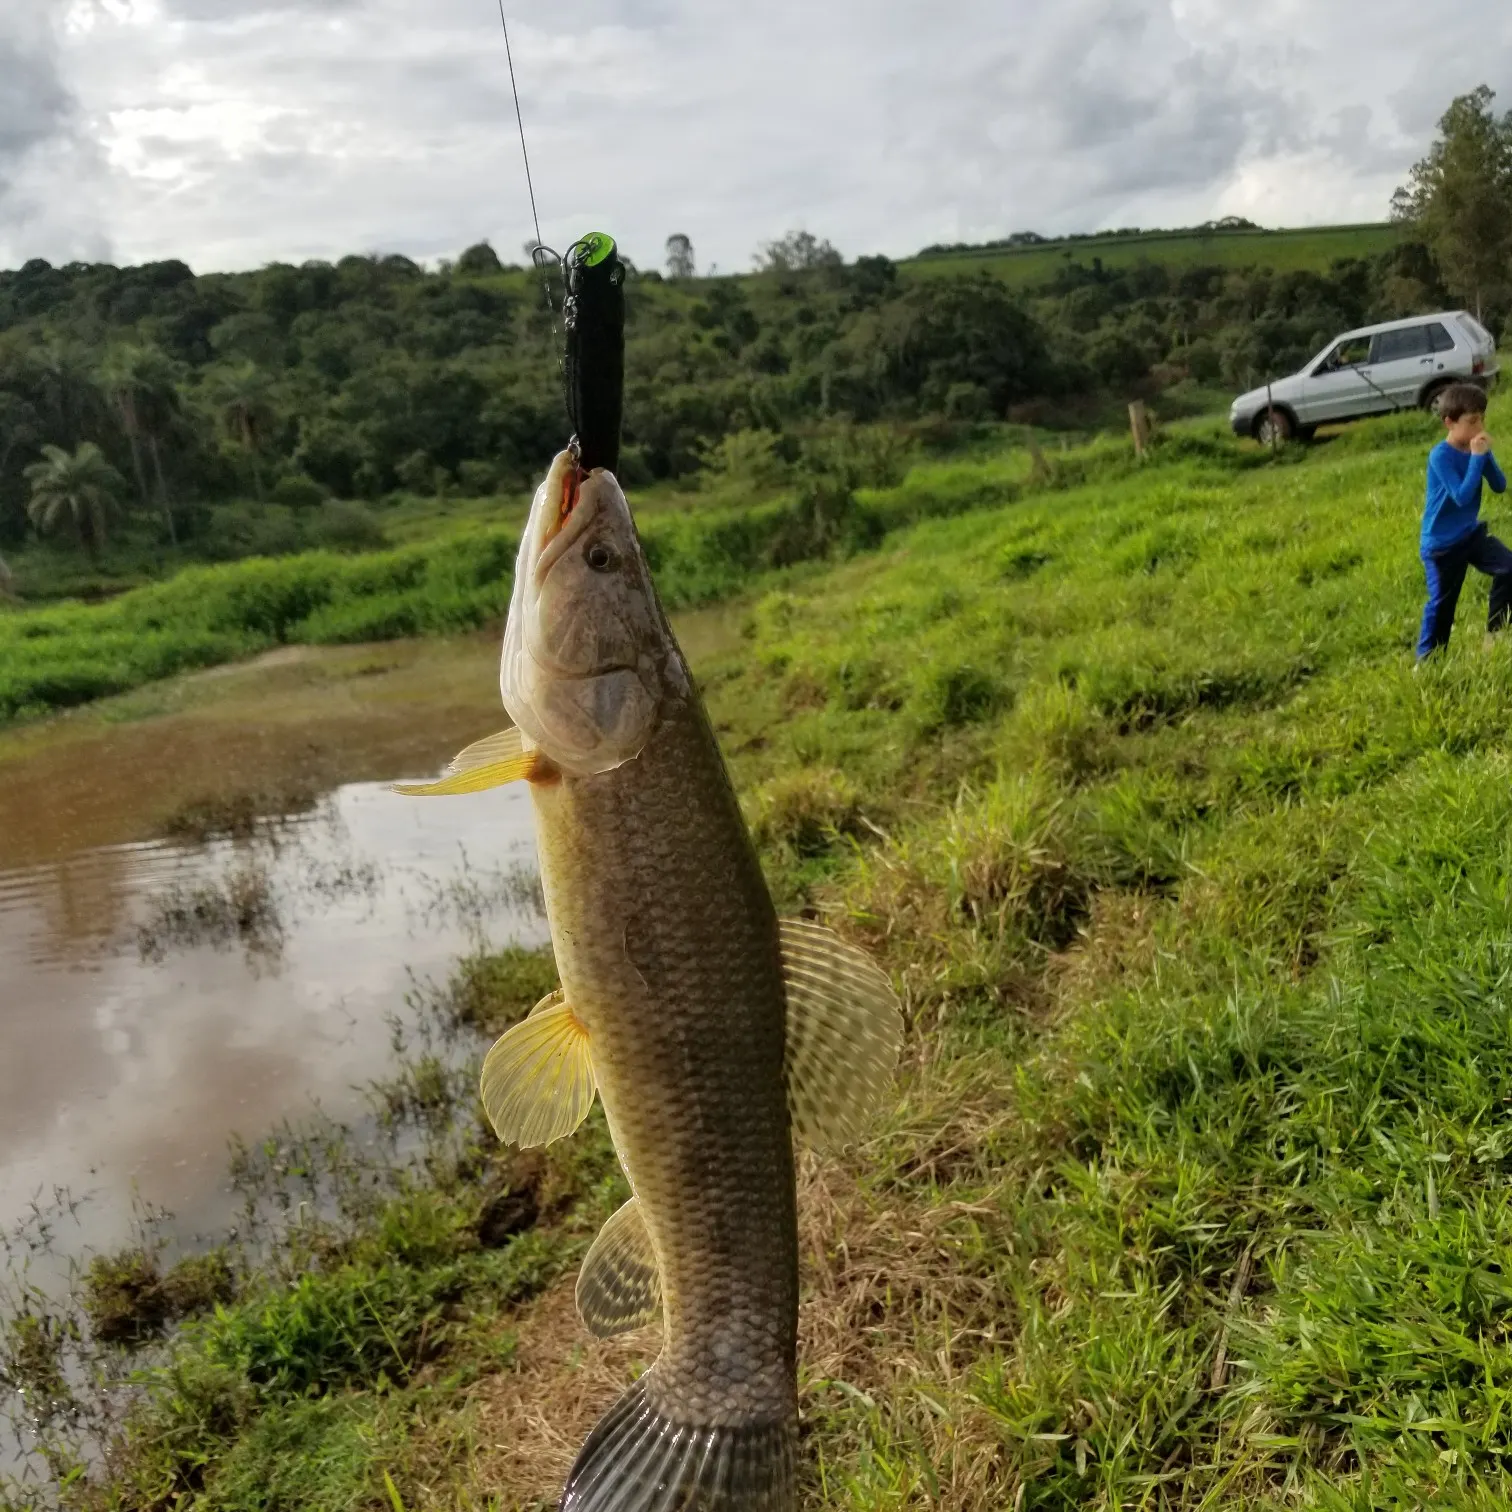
[{"x": 215, "y": 913}]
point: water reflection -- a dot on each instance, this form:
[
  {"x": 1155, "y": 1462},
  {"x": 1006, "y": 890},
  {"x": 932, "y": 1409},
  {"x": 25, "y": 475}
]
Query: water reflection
[{"x": 157, "y": 997}]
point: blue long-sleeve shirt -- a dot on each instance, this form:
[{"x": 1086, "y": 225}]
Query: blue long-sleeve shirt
[{"x": 1452, "y": 509}]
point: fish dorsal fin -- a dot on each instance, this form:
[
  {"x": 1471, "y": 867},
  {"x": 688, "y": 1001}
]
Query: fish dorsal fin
[
  {"x": 538, "y": 1083},
  {"x": 619, "y": 1286},
  {"x": 485, "y": 764},
  {"x": 844, "y": 1030}
]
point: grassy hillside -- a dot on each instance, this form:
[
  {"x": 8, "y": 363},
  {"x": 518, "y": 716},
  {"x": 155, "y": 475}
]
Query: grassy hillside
[
  {"x": 1311, "y": 249},
  {"x": 457, "y": 575},
  {"x": 1194, "y": 1193}
]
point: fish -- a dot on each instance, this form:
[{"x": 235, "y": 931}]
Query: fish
[{"x": 715, "y": 1034}]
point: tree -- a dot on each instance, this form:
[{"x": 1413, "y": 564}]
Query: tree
[
  {"x": 243, "y": 397},
  {"x": 140, "y": 382},
  {"x": 479, "y": 261},
  {"x": 944, "y": 333},
  {"x": 18, "y": 426},
  {"x": 79, "y": 487},
  {"x": 1458, "y": 200},
  {"x": 796, "y": 250},
  {"x": 64, "y": 380},
  {"x": 679, "y": 256}
]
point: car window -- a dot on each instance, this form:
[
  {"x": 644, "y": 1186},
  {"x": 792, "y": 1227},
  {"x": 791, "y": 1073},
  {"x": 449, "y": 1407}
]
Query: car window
[
  {"x": 1396, "y": 346},
  {"x": 1439, "y": 338},
  {"x": 1353, "y": 351}
]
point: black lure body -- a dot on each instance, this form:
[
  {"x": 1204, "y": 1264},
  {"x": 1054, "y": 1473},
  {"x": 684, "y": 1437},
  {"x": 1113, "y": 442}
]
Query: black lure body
[{"x": 594, "y": 362}]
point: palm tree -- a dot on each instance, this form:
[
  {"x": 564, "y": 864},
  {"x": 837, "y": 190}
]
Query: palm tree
[
  {"x": 141, "y": 383},
  {"x": 66, "y": 384},
  {"x": 80, "y": 487},
  {"x": 18, "y": 426},
  {"x": 242, "y": 394}
]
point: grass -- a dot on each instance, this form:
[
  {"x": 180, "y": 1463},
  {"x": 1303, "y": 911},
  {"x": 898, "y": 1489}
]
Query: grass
[
  {"x": 61, "y": 656},
  {"x": 1194, "y": 1193},
  {"x": 1311, "y": 249}
]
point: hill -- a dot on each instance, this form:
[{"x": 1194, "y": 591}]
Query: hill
[
  {"x": 1195, "y": 1188},
  {"x": 1310, "y": 249}
]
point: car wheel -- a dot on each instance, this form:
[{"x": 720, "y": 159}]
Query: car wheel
[
  {"x": 1272, "y": 427},
  {"x": 1431, "y": 396}
]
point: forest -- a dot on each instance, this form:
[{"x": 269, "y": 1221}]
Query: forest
[{"x": 217, "y": 416}]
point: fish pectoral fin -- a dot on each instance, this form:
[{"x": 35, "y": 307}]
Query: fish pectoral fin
[
  {"x": 538, "y": 1083},
  {"x": 485, "y": 764},
  {"x": 619, "y": 1286},
  {"x": 844, "y": 1031}
]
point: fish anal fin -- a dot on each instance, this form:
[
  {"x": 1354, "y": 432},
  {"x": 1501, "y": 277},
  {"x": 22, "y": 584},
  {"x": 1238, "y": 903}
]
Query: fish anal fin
[
  {"x": 844, "y": 1032},
  {"x": 538, "y": 1083},
  {"x": 619, "y": 1286},
  {"x": 489, "y": 763}
]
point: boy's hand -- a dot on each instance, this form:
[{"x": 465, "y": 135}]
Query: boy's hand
[{"x": 1481, "y": 445}]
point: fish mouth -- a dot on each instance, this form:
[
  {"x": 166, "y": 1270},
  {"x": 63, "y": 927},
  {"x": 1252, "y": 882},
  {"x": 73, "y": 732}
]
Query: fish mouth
[
  {"x": 567, "y": 514},
  {"x": 568, "y": 492}
]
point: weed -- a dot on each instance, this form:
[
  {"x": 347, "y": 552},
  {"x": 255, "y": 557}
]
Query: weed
[
  {"x": 239, "y": 907},
  {"x": 489, "y": 991},
  {"x": 124, "y": 1298},
  {"x": 805, "y": 812},
  {"x": 237, "y": 816},
  {"x": 128, "y": 1298}
]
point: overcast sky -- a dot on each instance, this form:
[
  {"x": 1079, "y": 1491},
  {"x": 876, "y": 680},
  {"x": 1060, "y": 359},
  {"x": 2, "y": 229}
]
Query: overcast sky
[{"x": 235, "y": 132}]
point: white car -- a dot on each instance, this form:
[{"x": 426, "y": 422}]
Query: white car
[{"x": 1400, "y": 364}]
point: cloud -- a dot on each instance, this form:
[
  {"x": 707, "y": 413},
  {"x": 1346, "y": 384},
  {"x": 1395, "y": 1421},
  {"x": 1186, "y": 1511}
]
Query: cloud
[
  {"x": 46, "y": 199},
  {"x": 233, "y": 133},
  {"x": 34, "y": 104}
]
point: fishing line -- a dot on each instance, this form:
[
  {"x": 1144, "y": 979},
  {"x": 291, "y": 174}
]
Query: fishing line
[{"x": 537, "y": 255}]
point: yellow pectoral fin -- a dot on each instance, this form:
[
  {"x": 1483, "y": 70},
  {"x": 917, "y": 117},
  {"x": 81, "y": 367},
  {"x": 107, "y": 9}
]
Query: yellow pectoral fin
[
  {"x": 485, "y": 764},
  {"x": 619, "y": 1286},
  {"x": 538, "y": 1081},
  {"x": 844, "y": 1031}
]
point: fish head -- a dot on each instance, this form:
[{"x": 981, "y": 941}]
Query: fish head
[{"x": 589, "y": 659}]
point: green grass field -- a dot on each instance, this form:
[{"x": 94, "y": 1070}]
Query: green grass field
[
  {"x": 456, "y": 576},
  {"x": 1313, "y": 249},
  {"x": 1195, "y": 1190}
]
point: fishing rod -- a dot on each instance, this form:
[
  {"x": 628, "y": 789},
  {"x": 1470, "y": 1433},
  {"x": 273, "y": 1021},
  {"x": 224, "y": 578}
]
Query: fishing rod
[{"x": 593, "y": 321}]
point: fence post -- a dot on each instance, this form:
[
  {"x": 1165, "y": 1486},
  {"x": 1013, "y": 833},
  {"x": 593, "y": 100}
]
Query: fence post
[{"x": 1139, "y": 424}]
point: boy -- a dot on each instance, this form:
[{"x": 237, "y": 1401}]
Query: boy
[{"x": 1454, "y": 537}]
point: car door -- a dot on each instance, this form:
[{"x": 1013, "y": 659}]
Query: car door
[
  {"x": 1402, "y": 361},
  {"x": 1337, "y": 387}
]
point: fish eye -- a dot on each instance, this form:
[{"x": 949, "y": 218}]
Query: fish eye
[{"x": 599, "y": 557}]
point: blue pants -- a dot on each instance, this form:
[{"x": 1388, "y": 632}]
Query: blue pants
[{"x": 1446, "y": 576}]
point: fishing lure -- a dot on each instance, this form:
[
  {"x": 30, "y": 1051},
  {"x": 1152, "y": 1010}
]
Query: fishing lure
[{"x": 593, "y": 320}]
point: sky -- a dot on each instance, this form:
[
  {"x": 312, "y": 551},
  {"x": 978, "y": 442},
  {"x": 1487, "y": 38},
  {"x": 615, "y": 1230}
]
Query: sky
[{"x": 232, "y": 133}]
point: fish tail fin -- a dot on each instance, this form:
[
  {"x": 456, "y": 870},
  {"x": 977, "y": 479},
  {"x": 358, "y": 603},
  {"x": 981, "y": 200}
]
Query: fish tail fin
[{"x": 637, "y": 1459}]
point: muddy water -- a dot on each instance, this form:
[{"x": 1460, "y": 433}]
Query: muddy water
[{"x": 161, "y": 989}]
